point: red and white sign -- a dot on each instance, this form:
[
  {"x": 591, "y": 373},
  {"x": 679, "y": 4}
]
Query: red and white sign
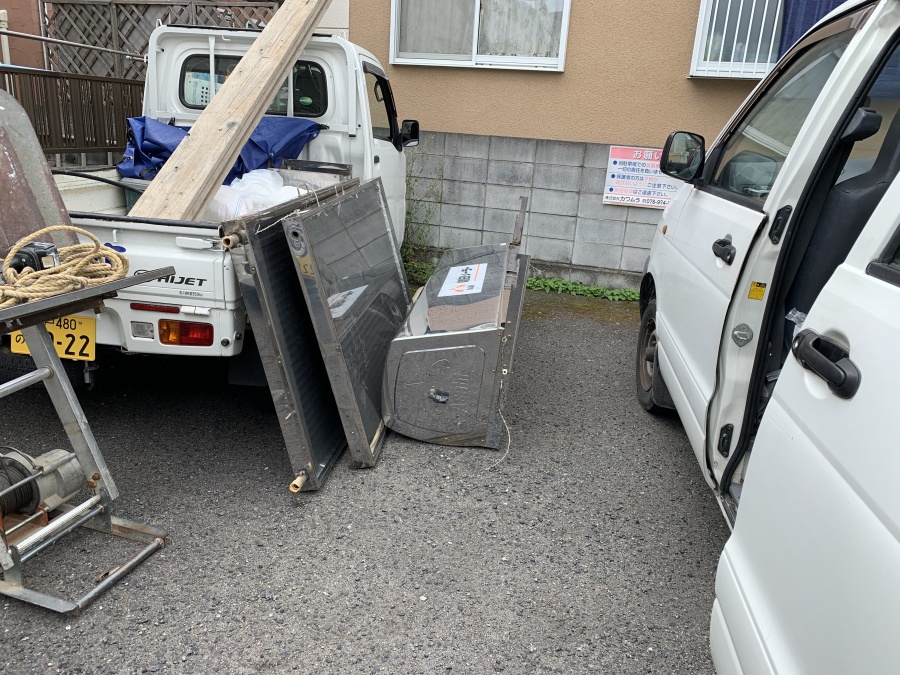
[{"x": 633, "y": 178}]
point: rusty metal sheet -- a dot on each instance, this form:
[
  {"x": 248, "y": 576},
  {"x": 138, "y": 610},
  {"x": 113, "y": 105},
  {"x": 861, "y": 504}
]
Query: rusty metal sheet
[{"x": 30, "y": 198}]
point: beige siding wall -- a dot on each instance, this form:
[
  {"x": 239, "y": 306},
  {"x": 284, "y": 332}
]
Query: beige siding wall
[{"x": 625, "y": 80}]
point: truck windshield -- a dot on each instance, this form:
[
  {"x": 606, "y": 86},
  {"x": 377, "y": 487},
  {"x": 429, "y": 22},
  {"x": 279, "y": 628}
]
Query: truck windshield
[{"x": 304, "y": 94}]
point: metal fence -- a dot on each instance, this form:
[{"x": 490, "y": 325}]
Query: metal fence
[
  {"x": 75, "y": 113},
  {"x": 125, "y": 25}
]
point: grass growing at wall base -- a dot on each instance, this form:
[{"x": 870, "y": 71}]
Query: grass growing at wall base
[
  {"x": 418, "y": 272},
  {"x": 560, "y": 286}
]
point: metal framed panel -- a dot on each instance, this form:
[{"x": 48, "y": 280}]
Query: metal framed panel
[
  {"x": 293, "y": 365},
  {"x": 347, "y": 261}
]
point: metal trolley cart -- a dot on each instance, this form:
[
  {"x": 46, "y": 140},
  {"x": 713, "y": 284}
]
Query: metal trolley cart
[{"x": 36, "y": 508}]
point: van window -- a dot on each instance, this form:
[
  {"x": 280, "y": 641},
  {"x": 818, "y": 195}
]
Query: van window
[
  {"x": 852, "y": 182},
  {"x": 307, "y": 86},
  {"x": 884, "y": 98},
  {"x": 756, "y": 151}
]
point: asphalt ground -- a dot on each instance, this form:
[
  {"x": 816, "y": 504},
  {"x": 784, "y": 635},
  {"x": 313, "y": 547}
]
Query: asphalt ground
[{"x": 590, "y": 546}]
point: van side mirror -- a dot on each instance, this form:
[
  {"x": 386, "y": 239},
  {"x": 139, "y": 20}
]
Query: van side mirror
[
  {"x": 683, "y": 156},
  {"x": 409, "y": 134}
]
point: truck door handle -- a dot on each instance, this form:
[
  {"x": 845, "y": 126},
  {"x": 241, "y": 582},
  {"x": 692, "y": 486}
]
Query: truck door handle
[
  {"x": 827, "y": 359},
  {"x": 377, "y": 159},
  {"x": 724, "y": 249}
]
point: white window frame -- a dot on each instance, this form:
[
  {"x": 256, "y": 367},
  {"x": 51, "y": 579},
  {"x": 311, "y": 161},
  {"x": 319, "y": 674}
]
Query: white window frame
[
  {"x": 700, "y": 67},
  {"x": 552, "y": 64}
]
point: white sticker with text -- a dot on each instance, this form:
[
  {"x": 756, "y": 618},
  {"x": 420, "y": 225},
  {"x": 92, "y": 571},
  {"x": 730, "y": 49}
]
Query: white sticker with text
[{"x": 463, "y": 280}]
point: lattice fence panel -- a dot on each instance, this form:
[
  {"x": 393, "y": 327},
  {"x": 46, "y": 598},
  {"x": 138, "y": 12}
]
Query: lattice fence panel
[
  {"x": 89, "y": 24},
  {"x": 126, "y": 25},
  {"x": 231, "y": 15}
]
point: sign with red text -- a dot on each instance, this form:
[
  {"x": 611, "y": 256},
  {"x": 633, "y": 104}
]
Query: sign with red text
[{"x": 633, "y": 178}]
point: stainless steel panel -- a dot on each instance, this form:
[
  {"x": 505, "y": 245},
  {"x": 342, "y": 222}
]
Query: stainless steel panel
[
  {"x": 447, "y": 369},
  {"x": 295, "y": 371},
  {"x": 348, "y": 263}
]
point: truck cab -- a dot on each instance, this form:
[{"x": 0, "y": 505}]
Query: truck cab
[
  {"x": 334, "y": 82},
  {"x": 198, "y": 311}
]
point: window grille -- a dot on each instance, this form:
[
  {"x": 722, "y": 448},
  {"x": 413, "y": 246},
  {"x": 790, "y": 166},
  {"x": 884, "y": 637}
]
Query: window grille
[{"x": 737, "y": 38}]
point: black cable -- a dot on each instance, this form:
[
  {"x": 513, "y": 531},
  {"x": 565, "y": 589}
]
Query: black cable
[{"x": 101, "y": 179}]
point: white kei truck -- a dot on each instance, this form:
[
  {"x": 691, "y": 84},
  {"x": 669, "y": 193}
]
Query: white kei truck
[
  {"x": 770, "y": 313},
  {"x": 198, "y": 311}
]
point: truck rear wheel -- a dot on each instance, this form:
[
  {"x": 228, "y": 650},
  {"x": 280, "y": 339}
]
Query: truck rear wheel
[
  {"x": 645, "y": 366},
  {"x": 14, "y": 365}
]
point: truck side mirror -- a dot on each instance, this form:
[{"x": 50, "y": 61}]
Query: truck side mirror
[
  {"x": 409, "y": 134},
  {"x": 683, "y": 156}
]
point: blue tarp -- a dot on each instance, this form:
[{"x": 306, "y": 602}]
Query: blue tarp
[{"x": 151, "y": 143}]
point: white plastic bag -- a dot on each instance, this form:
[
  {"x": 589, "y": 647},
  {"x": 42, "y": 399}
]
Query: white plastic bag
[
  {"x": 256, "y": 190},
  {"x": 228, "y": 204}
]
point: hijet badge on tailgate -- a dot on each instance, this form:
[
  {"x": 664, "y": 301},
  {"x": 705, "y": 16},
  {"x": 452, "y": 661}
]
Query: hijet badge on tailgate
[{"x": 178, "y": 280}]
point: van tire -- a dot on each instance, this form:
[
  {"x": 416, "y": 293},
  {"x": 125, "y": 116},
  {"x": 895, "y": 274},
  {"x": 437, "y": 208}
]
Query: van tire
[{"x": 645, "y": 363}]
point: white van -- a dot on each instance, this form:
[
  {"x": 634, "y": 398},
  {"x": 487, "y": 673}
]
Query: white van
[{"x": 770, "y": 321}]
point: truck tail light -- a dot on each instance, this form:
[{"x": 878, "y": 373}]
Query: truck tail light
[
  {"x": 165, "y": 309},
  {"x": 185, "y": 333}
]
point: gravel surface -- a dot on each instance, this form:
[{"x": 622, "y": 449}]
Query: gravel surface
[{"x": 590, "y": 546}]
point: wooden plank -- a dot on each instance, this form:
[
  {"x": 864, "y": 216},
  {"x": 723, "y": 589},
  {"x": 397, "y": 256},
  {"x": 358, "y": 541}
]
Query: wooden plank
[{"x": 189, "y": 179}]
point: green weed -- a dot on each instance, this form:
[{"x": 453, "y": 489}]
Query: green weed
[
  {"x": 560, "y": 286},
  {"x": 418, "y": 272}
]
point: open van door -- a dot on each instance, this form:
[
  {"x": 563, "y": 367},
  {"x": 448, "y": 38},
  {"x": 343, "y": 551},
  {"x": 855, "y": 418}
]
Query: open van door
[
  {"x": 808, "y": 580},
  {"x": 751, "y": 178}
]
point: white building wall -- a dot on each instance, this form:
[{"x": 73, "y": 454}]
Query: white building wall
[{"x": 337, "y": 18}]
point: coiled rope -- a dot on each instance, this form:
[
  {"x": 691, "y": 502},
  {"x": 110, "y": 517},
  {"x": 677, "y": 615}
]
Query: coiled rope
[{"x": 80, "y": 266}]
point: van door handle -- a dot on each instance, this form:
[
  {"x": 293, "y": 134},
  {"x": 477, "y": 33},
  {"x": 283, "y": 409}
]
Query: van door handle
[
  {"x": 827, "y": 359},
  {"x": 724, "y": 249}
]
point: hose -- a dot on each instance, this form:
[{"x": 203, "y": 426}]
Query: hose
[
  {"x": 99, "y": 179},
  {"x": 80, "y": 266}
]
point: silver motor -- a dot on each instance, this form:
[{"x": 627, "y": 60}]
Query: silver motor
[{"x": 47, "y": 481}]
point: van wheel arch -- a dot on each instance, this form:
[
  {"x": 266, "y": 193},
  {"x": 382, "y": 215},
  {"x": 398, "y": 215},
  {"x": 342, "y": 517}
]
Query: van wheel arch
[
  {"x": 647, "y": 292},
  {"x": 652, "y": 392}
]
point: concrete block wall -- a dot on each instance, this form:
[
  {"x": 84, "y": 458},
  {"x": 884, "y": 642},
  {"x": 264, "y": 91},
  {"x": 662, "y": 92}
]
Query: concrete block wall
[{"x": 464, "y": 191}]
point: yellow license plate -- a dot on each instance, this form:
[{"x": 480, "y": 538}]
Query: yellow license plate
[{"x": 75, "y": 337}]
